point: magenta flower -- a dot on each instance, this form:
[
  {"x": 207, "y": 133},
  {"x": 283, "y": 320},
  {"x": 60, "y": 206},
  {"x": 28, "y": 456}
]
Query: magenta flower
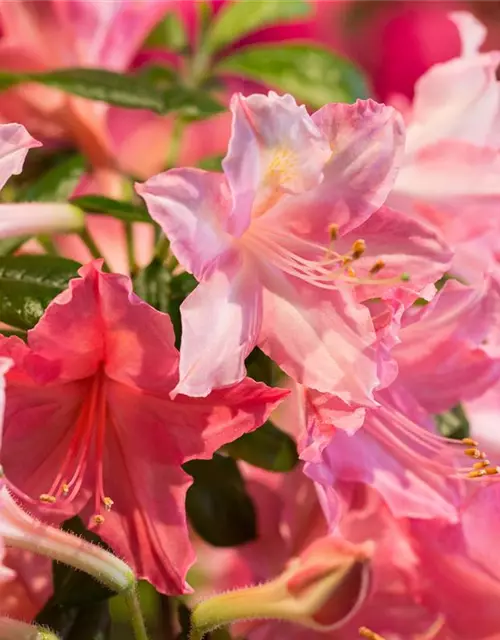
[
  {"x": 90, "y": 393},
  {"x": 261, "y": 240}
]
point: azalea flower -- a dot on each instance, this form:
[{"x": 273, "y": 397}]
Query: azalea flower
[
  {"x": 261, "y": 241},
  {"x": 106, "y": 441}
]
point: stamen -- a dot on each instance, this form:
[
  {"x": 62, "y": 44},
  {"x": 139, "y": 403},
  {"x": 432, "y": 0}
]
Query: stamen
[
  {"x": 108, "y": 503},
  {"x": 378, "y": 266},
  {"x": 364, "y": 632},
  {"x": 481, "y": 468},
  {"x": 65, "y": 489},
  {"x": 473, "y": 453},
  {"x": 333, "y": 231},
  {"x": 470, "y": 442},
  {"x": 98, "y": 519},
  {"x": 358, "y": 248},
  {"x": 47, "y": 498}
]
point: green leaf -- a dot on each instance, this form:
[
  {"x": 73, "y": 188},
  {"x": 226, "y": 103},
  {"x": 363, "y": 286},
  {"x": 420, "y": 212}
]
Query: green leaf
[
  {"x": 169, "y": 34},
  {"x": 238, "y": 19},
  {"x": 180, "y": 287},
  {"x": 211, "y": 163},
  {"x": 268, "y": 448},
  {"x": 122, "y": 210},
  {"x": 152, "y": 284},
  {"x": 28, "y": 283},
  {"x": 453, "y": 423},
  {"x": 217, "y": 503},
  {"x": 121, "y": 90},
  {"x": 312, "y": 74},
  {"x": 57, "y": 184},
  {"x": 193, "y": 104},
  {"x": 11, "y": 245}
]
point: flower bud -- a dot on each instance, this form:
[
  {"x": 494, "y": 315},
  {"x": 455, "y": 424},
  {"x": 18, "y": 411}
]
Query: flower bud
[
  {"x": 17, "y": 630},
  {"x": 320, "y": 589},
  {"x": 19, "y": 529},
  {"x": 34, "y": 218}
]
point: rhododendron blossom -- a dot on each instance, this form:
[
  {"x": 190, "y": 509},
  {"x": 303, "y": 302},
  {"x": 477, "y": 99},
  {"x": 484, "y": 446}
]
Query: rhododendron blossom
[
  {"x": 261, "y": 239},
  {"x": 106, "y": 440}
]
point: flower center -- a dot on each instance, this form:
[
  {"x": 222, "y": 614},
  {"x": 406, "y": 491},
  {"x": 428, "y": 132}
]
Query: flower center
[{"x": 86, "y": 442}]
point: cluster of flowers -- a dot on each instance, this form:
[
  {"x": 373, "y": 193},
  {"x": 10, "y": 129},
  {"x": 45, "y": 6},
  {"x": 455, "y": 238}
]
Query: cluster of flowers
[{"x": 357, "y": 248}]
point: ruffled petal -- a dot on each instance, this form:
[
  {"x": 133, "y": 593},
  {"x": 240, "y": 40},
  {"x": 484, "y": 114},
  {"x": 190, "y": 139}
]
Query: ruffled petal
[
  {"x": 221, "y": 321},
  {"x": 192, "y": 207},
  {"x": 15, "y": 143}
]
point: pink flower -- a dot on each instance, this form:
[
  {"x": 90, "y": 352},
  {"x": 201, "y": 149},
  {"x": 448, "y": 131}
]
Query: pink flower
[
  {"x": 449, "y": 350},
  {"x": 449, "y": 174},
  {"x": 261, "y": 241},
  {"x": 26, "y": 591},
  {"x": 105, "y": 439}
]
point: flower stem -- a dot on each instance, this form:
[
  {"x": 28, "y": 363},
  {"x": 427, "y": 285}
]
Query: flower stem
[
  {"x": 129, "y": 238},
  {"x": 175, "y": 142},
  {"x": 92, "y": 247},
  {"x": 136, "y": 617}
]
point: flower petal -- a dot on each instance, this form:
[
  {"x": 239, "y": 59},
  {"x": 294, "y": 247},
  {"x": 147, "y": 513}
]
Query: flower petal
[
  {"x": 221, "y": 322},
  {"x": 192, "y": 207},
  {"x": 15, "y": 142},
  {"x": 472, "y": 32},
  {"x": 321, "y": 338},
  {"x": 275, "y": 148}
]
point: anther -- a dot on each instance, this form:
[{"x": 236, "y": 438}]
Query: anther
[
  {"x": 333, "y": 231},
  {"x": 65, "y": 489},
  {"x": 364, "y": 632},
  {"x": 98, "y": 519},
  {"x": 481, "y": 465},
  {"x": 358, "y": 248},
  {"x": 473, "y": 452},
  {"x": 47, "y": 498},
  {"x": 477, "y": 473},
  {"x": 350, "y": 272},
  {"x": 378, "y": 266},
  {"x": 492, "y": 471},
  {"x": 2, "y": 472},
  {"x": 470, "y": 442},
  {"x": 108, "y": 503}
]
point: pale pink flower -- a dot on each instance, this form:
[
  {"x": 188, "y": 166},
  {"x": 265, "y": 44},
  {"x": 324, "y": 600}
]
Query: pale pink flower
[
  {"x": 449, "y": 349},
  {"x": 259, "y": 239},
  {"x": 449, "y": 176},
  {"x": 105, "y": 438}
]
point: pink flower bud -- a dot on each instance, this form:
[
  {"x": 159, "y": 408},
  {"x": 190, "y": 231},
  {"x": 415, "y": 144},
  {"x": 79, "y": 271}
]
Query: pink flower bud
[{"x": 320, "y": 589}]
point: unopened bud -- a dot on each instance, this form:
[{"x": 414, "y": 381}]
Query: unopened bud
[
  {"x": 321, "y": 589},
  {"x": 19, "y": 529}
]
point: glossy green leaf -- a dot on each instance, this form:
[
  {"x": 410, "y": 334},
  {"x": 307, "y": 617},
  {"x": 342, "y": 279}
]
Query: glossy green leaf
[
  {"x": 169, "y": 34},
  {"x": 28, "y": 283},
  {"x": 193, "y": 104},
  {"x": 122, "y": 210},
  {"x": 453, "y": 423},
  {"x": 238, "y": 19},
  {"x": 152, "y": 284},
  {"x": 121, "y": 90},
  {"x": 312, "y": 74},
  {"x": 57, "y": 184},
  {"x": 268, "y": 448},
  {"x": 218, "y": 506}
]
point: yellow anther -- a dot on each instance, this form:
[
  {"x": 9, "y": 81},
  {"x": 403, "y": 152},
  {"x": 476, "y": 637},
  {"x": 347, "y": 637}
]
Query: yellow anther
[
  {"x": 350, "y": 272},
  {"x": 477, "y": 473},
  {"x": 65, "y": 489},
  {"x": 492, "y": 471},
  {"x": 358, "y": 248},
  {"x": 98, "y": 519},
  {"x": 364, "y": 632},
  {"x": 378, "y": 266},
  {"x": 108, "y": 503},
  {"x": 47, "y": 498},
  {"x": 2, "y": 472},
  {"x": 481, "y": 465},
  {"x": 470, "y": 442},
  {"x": 333, "y": 231},
  {"x": 473, "y": 452}
]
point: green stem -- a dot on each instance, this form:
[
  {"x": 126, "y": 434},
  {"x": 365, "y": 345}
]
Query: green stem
[
  {"x": 136, "y": 617},
  {"x": 162, "y": 249},
  {"x": 92, "y": 247},
  {"x": 129, "y": 239},
  {"x": 48, "y": 244},
  {"x": 175, "y": 142}
]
